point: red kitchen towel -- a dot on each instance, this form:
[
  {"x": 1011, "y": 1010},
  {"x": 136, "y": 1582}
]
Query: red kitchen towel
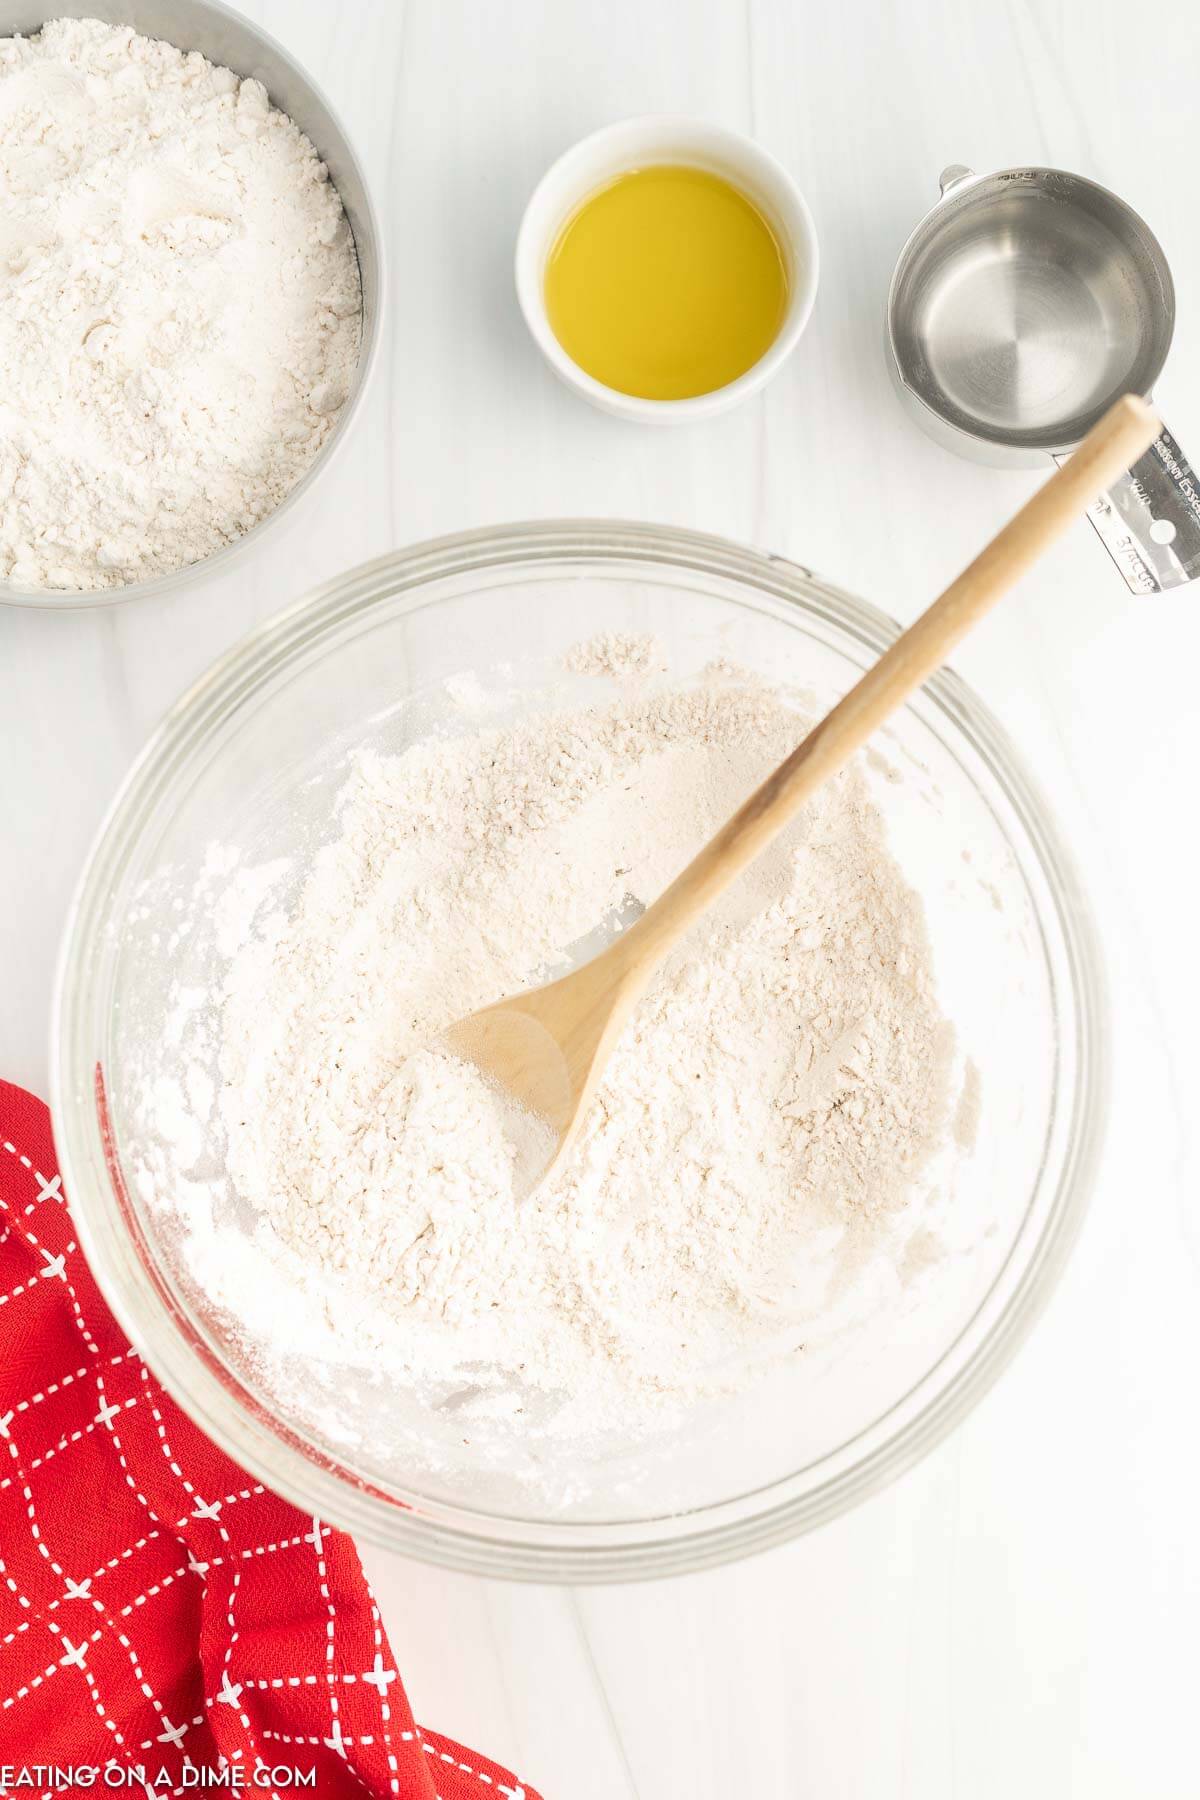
[{"x": 167, "y": 1625}]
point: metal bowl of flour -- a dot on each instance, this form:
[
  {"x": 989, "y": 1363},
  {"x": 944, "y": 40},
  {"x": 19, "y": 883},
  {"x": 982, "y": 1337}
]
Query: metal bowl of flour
[
  {"x": 233, "y": 799},
  {"x": 230, "y": 40}
]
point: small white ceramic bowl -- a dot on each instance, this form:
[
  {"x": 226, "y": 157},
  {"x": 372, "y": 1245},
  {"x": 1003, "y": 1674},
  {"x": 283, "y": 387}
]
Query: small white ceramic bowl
[{"x": 634, "y": 144}]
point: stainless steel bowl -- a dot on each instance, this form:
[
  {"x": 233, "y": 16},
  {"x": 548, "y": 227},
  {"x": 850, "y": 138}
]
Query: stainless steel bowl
[
  {"x": 1022, "y": 306},
  {"x": 225, "y": 37}
]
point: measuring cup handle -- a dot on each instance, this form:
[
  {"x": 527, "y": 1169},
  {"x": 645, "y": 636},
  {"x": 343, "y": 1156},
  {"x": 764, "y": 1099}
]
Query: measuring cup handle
[
  {"x": 1149, "y": 521},
  {"x": 953, "y": 177}
]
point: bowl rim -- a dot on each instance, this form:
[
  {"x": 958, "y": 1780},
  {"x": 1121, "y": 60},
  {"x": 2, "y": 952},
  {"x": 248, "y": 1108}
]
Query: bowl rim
[
  {"x": 435, "y": 1531},
  {"x": 155, "y": 587}
]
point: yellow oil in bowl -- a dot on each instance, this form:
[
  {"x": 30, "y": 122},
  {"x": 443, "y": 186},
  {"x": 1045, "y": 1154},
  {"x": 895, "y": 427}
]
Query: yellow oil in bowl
[{"x": 666, "y": 283}]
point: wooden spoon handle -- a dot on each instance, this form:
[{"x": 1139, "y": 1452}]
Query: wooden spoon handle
[{"x": 1119, "y": 438}]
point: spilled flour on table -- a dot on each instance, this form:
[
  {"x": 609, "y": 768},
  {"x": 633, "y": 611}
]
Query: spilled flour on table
[{"x": 759, "y": 1139}]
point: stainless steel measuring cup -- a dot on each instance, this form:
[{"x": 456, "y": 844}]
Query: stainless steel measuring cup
[{"x": 1022, "y": 305}]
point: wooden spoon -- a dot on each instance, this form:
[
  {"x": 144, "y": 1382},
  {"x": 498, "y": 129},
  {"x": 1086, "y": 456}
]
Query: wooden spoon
[{"x": 545, "y": 1050}]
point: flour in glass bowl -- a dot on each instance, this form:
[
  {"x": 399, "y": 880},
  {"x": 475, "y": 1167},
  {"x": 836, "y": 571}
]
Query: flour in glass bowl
[
  {"x": 179, "y": 306},
  {"x": 762, "y": 1138}
]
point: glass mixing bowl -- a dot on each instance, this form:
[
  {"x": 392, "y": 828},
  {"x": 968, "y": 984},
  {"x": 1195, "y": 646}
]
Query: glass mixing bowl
[{"x": 252, "y": 757}]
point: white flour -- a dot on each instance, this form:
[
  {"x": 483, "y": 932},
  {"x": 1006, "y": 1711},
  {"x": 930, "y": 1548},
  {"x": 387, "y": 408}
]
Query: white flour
[
  {"x": 760, "y": 1134},
  {"x": 179, "y": 306}
]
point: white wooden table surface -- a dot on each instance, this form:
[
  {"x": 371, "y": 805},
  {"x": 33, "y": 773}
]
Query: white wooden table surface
[{"x": 1019, "y": 1615}]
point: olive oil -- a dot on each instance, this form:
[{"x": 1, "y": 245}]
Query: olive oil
[{"x": 666, "y": 283}]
